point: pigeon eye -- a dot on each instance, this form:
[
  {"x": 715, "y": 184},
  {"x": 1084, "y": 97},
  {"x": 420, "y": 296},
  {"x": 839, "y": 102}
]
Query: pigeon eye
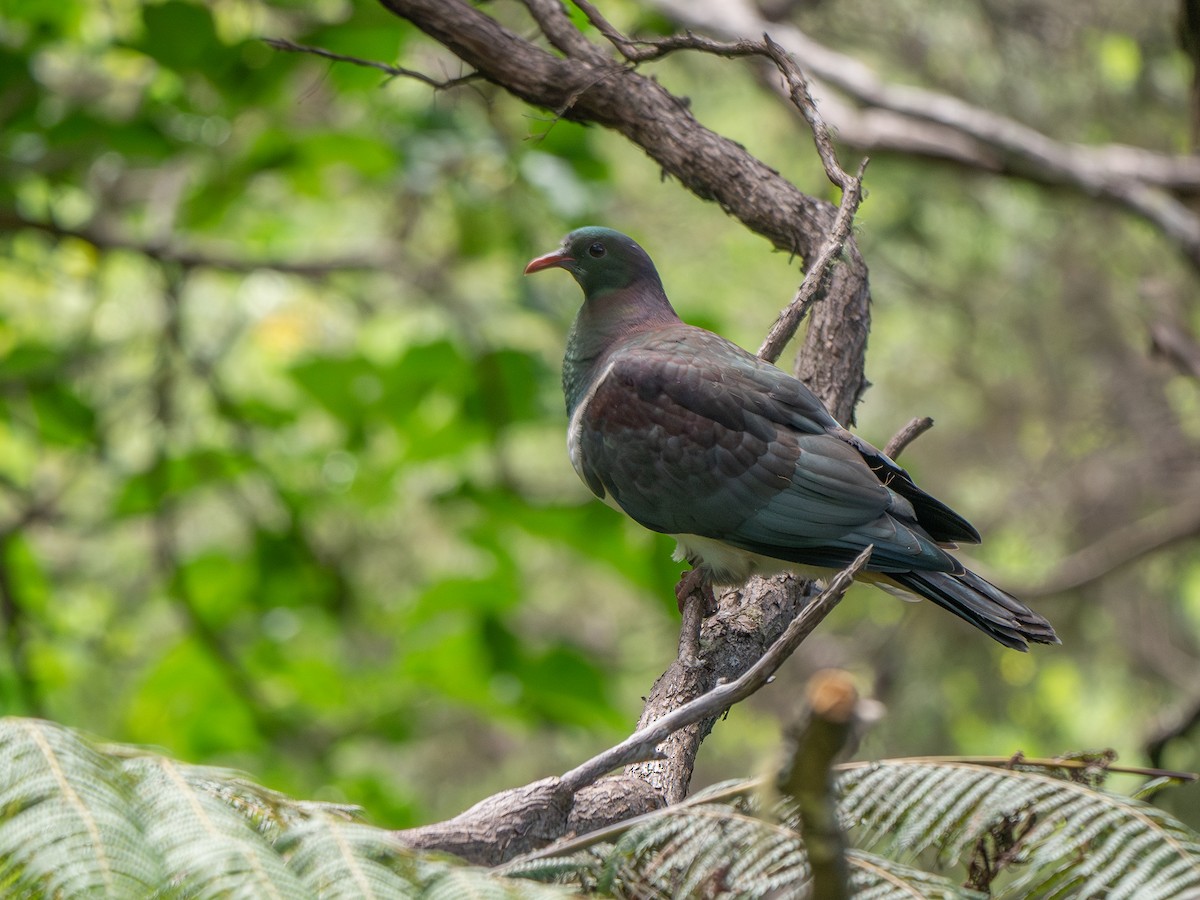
[{"x": 596, "y": 250}]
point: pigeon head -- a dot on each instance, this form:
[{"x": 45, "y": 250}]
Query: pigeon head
[{"x": 602, "y": 261}]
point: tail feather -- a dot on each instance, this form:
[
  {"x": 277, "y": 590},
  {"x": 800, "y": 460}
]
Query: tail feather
[{"x": 998, "y": 614}]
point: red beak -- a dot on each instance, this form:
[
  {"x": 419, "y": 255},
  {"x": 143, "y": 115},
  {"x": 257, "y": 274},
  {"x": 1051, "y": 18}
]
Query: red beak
[{"x": 550, "y": 260}]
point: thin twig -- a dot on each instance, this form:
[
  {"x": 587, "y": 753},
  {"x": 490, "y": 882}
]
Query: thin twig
[
  {"x": 815, "y": 282},
  {"x": 1176, "y": 343},
  {"x": 816, "y": 279},
  {"x": 644, "y": 50},
  {"x": 801, "y": 98},
  {"x": 640, "y": 745},
  {"x": 393, "y": 71},
  {"x": 1138, "y": 180},
  {"x": 906, "y": 435},
  {"x": 189, "y": 258},
  {"x": 1156, "y": 743},
  {"x": 637, "y": 50},
  {"x": 551, "y": 17}
]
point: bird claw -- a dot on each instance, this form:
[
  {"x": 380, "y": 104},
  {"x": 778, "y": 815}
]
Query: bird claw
[
  {"x": 695, "y": 582},
  {"x": 696, "y": 600}
]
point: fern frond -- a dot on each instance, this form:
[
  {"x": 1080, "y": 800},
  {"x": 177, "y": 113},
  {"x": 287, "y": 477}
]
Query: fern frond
[
  {"x": 210, "y": 848},
  {"x": 337, "y": 859},
  {"x": 467, "y": 883},
  {"x": 68, "y": 825},
  {"x": 84, "y": 820},
  {"x": 699, "y": 849},
  {"x": 570, "y": 868},
  {"x": 875, "y": 877},
  {"x": 1074, "y": 840}
]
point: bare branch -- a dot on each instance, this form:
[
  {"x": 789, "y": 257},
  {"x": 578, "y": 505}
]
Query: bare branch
[
  {"x": 393, "y": 71},
  {"x": 499, "y": 827},
  {"x": 586, "y": 84},
  {"x": 191, "y": 258},
  {"x": 643, "y": 51},
  {"x": 1140, "y": 180},
  {"x": 1121, "y": 547},
  {"x": 522, "y": 819},
  {"x": 801, "y": 97},
  {"x": 1177, "y": 344},
  {"x": 797, "y": 86},
  {"x": 906, "y": 435},
  {"x": 1181, "y": 725},
  {"x": 816, "y": 280},
  {"x": 551, "y": 17},
  {"x": 640, "y": 745},
  {"x": 821, "y": 737}
]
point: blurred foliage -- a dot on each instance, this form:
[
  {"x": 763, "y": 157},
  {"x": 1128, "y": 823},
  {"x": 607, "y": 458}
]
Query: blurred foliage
[
  {"x": 81, "y": 819},
  {"x": 282, "y": 477}
]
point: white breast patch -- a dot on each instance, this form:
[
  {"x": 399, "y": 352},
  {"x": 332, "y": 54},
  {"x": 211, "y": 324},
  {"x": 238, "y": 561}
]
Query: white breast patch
[{"x": 575, "y": 428}]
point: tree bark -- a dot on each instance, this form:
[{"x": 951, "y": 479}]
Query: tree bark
[{"x": 584, "y": 82}]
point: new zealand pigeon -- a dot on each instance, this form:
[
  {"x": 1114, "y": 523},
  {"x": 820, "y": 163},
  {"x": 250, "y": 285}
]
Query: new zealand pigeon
[{"x": 693, "y": 437}]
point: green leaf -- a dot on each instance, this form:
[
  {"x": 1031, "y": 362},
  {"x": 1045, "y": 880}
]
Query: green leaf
[
  {"x": 29, "y": 578},
  {"x": 1120, "y": 60},
  {"x": 366, "y": 155},
  {"x": 289, "y": 576},
  {"x": 77, "y": 820},
  {"x": 344, "y": 386},
  {"x": 562, "y": 683},
  {"x": 874, "y": 877},
  {"x": 218, "y": 584},
  {"x": 68, "y": 825},
  {"x": 508, "y": 384},
  {"x": 61, "y": 18},
  {"x": 172, "y": 478},
  {"x": 189, "y": 694},
  {"x": 181, "y": 36},
  {"x": 62, "y": 416},
  {"x": 29, "y": 360}
]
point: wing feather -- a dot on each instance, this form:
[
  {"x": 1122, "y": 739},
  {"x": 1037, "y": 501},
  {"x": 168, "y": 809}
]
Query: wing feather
[{"x": 689, "y": 434}]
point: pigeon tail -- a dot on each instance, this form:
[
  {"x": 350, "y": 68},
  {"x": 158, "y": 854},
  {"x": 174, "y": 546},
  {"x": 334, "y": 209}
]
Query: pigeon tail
[{"x": 998, "y": 614}]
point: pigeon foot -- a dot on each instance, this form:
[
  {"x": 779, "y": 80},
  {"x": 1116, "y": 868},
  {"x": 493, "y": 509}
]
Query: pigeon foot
[
  {"x": 696, "y": 600},
  {"x": 696, "y": 582}
]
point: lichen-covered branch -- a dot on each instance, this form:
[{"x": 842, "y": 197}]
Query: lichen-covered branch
[
  {"x": 587, "y": 84},
  {"x": 599, "y": 83},
  {"x": 522, "y": 819}
]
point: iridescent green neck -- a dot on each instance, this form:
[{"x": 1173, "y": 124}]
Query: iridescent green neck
[{"x": 604, "y": 322}]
